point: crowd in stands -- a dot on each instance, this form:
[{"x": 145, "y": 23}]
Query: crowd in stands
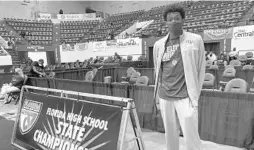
[
  {"x": 27, "y": 64},
  {"x": 226, "y": 59}
]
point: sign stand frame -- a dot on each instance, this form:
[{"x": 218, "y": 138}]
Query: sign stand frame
[{"x": 130, "y": 112}]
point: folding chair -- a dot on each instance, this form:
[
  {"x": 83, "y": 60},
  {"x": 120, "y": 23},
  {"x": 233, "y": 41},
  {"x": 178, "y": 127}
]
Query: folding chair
[
  {"x": 237, "y": 85},
  {"x": 228, "y": 74}
]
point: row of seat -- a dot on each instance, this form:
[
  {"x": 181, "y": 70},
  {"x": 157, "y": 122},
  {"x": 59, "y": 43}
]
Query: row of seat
[
  {"x": 199, "y": 16},
  {"x": 234, "y": 85}
]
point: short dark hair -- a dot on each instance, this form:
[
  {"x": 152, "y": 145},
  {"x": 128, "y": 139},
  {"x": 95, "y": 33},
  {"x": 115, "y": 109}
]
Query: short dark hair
[{"x": 173, "y": 8}]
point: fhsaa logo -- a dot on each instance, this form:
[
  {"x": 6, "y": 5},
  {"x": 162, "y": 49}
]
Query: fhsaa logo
[{"x": 29, "y": 115}]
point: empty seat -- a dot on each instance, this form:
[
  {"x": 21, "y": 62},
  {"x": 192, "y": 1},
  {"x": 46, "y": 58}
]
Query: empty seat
[
  {"x": 235, "y": 63},
  {"x": 209, "y": 81},
  {"x": 247, "y": 67},
  {"x": 134, "y": 77},
  {"x": 229, "y": 66},
  {"x": 242, "y": 59},
  {"x": 228, "y": 74},
  {"x": 237, "y": 85},
  {"x": 142, "y": 81}
]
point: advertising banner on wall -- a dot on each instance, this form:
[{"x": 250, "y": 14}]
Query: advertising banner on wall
[
  {"x": 243, "y": 38},
  {"x": 44, "y": 16},
  {"x": 81, "y": 46},
  {"x": 124, "y": 47},
  {"x": 68, "y": 47},
  {"x": 47, "y": 122},
  {"x": 82, "y": 51},
  {"x": 72, "y": 53},
  {"x": 217, "y": 34},
  {"x": 69, "y": 17},
  {"x": 99, "y": 46},
  {"x": 35, "y": 48}
]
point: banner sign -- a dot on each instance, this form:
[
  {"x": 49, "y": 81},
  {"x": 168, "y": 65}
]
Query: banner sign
[
  {"x": 87, "y": 16},
  {"x": 122, "y": 43},
  {"x": 243, "y": 37},
  {"x": 81, "y": 46},
  {"x": 217, "y": 34},
  {"x": 44, "y": 16},
  {"x": 48, "y": 122},
  {"x": 99, "y": 46},
  {"x": 68, "y": 47},
  {"x": 90, "y": 15},
  {"x": 243, "y": 32},
  {"x": 32, "y": 47}
]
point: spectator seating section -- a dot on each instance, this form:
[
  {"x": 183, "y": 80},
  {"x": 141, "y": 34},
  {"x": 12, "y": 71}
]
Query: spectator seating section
[
  {"x": 209, "y": 81},
  {"x": 36, "y": 32},
  {"x": 200, "y": 15},
  {"x": 113, "y": 24},
  {"x": 4, "y": 33},
  {"x": 73, "y": 31}
]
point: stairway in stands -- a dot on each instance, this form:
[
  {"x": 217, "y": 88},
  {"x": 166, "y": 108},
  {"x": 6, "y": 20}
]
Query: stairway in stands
[{"x": 16, "y": 61}]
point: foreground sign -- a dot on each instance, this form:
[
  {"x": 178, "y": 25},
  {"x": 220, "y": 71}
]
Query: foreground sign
[{"x": 47, "y": 122}]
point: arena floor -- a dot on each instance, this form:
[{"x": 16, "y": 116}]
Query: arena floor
[{"x": 153, "y": 140}]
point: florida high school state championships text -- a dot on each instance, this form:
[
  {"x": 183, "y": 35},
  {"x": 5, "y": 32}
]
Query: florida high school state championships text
[{"x": 68, "y": 136}]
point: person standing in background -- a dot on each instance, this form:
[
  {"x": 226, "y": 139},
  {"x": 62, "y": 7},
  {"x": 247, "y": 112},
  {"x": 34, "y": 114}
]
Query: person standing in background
[
  {"x": 37, "y": 69},
  {"x": 179, "y": 66}
]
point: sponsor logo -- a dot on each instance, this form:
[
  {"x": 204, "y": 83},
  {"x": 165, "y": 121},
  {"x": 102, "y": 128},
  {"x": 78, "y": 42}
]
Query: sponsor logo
[{"x": 29, "y": 115}]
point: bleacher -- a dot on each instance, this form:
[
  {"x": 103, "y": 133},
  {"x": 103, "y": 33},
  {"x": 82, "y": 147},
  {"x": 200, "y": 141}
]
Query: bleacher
[
  {"x": 114, "y": 24},
  {"x": 72, "y": 31},
  {"x": 4, "y": 33},
  {"x": 36, "y": 32},
  {"x": 200, "y": 15}
]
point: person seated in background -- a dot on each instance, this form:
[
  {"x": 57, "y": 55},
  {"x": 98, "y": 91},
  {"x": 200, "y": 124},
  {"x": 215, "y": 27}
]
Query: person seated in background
[
  {"x": 14, "y": 86},
  {"x": 116, "y": 56},
  {"x": 38, "y": 69},
  {"x": 211, "y": 56},
  {"x": 233, "y": 55},
  {"x": 96, "y": 60}
]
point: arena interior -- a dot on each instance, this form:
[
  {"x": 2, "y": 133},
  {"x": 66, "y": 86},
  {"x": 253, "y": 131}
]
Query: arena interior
[{"x": 106, "y": 48}]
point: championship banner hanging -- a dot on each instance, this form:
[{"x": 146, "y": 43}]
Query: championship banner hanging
[
  {"x": 218, "y": 34},
  {"x": 50, "y": 123}
]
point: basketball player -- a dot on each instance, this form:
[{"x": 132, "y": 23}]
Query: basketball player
[{"x": 179, "y": 63}]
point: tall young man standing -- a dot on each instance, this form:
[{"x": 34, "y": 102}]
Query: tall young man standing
[{"x": 179, "y": 61}]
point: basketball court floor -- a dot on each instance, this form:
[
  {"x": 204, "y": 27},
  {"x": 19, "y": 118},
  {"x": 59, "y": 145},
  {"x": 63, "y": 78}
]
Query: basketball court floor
[{"x": 153, "y": 140}]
